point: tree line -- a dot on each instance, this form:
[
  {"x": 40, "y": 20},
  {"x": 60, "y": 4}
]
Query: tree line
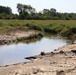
[{"x": 29, "y": 13}]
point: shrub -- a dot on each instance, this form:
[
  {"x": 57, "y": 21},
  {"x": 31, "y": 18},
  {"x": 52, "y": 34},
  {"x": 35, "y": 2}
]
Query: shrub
[{"x": 66, "y": 32}]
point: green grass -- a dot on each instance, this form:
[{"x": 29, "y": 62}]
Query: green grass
[{"x": 66, "y": 28}]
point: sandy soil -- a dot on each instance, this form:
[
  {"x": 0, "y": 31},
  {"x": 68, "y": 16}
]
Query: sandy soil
[
  {"x": 12, "y": 36},
  {"x": 16, "y": 34},
  {"x": 59, "y": 62}
]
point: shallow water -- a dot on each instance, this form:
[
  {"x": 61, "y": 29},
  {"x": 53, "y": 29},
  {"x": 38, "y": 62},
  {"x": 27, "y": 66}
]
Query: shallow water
[{"x": 15, "y": 53}]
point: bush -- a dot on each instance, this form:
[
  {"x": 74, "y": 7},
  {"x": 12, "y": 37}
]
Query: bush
[
  {"x": 73, "y": 29},
  {"x": 66, "y": 32}
]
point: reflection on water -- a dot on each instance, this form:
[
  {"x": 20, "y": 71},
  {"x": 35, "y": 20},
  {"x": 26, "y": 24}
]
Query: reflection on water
[{"x": 15, "y": 53}]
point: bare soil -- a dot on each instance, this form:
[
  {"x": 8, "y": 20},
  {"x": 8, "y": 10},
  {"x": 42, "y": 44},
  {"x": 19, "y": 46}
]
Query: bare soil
[{"x": 13, "y": 36}]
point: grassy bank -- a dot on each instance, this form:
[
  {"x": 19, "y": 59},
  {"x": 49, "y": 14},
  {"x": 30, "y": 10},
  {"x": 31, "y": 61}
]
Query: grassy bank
[
  {"x": 31, "y": 37},
  {"x": 65, "y": 28}
]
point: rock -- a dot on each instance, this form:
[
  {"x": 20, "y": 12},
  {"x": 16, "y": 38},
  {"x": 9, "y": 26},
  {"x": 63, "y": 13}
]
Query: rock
[
  {"x": 16, "y": 73},
  {"x": 55, "y": 50},
  {"x": 61, "y": 52},
  {"x": 32, "y": 57},
  {"x": 42, "y": 53},
  {"x": 74, "y": 51},
  {"x": 52, "y": 53},
  {"x": 60, "y": 72},
  {"x": 35, "y": 71}
]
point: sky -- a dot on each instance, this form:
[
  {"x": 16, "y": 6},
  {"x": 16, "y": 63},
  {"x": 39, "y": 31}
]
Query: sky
[{"x": 60, "y": 5}]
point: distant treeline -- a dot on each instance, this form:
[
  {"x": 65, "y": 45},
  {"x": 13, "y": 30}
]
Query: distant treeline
[{"x": 28, "y": 12}]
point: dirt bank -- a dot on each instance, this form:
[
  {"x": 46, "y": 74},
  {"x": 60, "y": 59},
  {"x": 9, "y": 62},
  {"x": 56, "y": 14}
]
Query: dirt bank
[
  {"x": 59, "y": 62},
  {"x": 13, "y": 36}
]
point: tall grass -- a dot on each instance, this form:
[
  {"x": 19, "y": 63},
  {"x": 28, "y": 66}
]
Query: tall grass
[{"x": 66, "y": 28}]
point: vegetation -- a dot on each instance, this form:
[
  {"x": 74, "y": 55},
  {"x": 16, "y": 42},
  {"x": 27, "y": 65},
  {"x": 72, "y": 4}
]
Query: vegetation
[
  {"x": 65, "y": 28},
  {"x": 33, "y": 36},
  {"x": 6, "y": 13},
  {"x": 48, "y": 20},
  {"x": 29, "y": 13},
  {"x": 4, "y": 9}
]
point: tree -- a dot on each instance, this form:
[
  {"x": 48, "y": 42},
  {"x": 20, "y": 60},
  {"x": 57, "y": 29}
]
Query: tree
[
  {"x": 25, "y": 10},
  {"x": 6, "y": 10},
  {"x": 46, "y": 11},
  {"x": 52, "y": 10}
]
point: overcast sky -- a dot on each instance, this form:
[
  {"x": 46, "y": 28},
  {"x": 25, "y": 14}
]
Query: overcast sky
[{"x": 59, "y": 5}]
